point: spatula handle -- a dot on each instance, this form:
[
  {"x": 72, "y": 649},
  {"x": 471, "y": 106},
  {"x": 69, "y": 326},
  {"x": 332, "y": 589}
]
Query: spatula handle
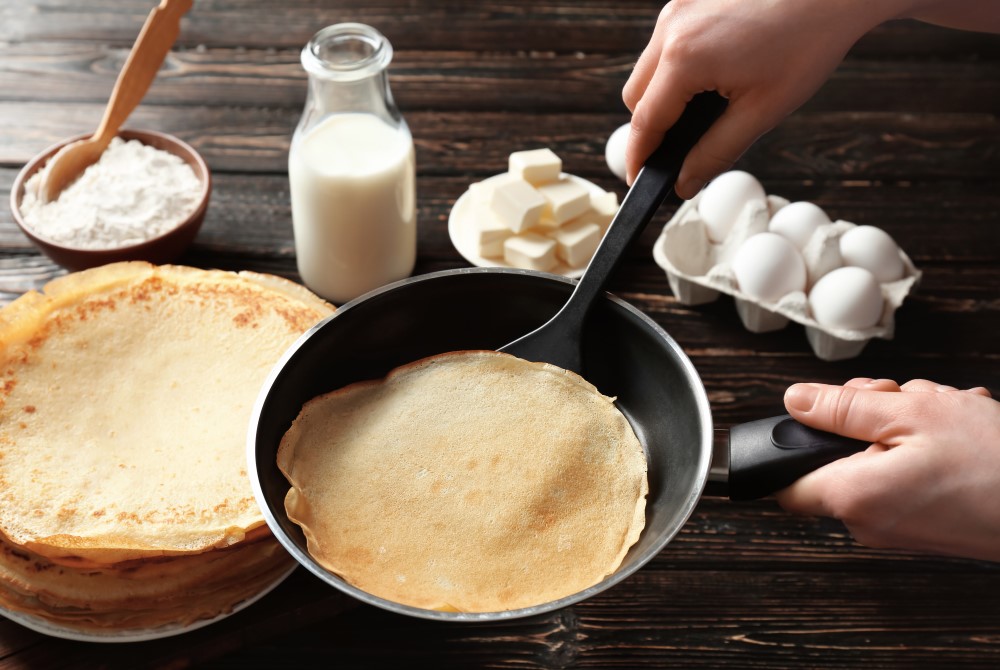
[
  {"x": 558, "y": 341},
  {"x": 652, "y": 185},
  {"x": 158, "y": 34}
]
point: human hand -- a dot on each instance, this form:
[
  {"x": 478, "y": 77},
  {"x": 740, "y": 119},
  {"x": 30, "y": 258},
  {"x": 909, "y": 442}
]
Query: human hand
[
  {"x": 929, "y": 480},
  {"x": 766, "y": 58}
]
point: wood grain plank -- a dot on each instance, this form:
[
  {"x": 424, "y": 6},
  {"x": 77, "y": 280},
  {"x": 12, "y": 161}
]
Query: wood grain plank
[
  {"x": 461, "y": 80},
  {"x": 692, "y": 619},
  {"x": 759, "y": 536},
  {"x": 448, "y": 24},
  {"x": 864, "y": 147},
  {"x": 936, "y": 223},
  {"x": 588, "y": 25}
]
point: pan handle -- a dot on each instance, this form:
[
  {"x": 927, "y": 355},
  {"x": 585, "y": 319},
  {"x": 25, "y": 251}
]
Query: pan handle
[{"x": 768, "y": 455}]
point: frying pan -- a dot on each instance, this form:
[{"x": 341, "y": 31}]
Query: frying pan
[
  {"x": 620, "y": 350},
  {"x": 625, "y": 354}
]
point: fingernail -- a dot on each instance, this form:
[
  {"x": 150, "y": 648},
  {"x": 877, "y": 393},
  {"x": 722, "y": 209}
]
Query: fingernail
[
  {"x": 944, "y": 387},
  {"x": 801, "y": 397},
  {"x": 689, "y": 188},
  {"x": 876, "y": 382}
]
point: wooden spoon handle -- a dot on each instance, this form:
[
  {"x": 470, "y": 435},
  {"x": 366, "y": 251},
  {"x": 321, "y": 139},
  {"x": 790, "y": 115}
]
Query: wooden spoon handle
[{"x": 158, "y": 34}]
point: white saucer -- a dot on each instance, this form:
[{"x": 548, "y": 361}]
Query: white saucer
[
  {"x": 46, "y": 627},
  {"x": 460, "y": 229}
]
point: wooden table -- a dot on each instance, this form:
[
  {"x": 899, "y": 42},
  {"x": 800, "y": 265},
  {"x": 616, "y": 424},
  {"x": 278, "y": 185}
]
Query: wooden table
[{"x": 905, "y": 136}]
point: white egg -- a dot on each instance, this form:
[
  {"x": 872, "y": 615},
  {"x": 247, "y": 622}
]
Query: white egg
[
  {"x": 797, "y": 221},
  {"x": 873, "y": 249},
  {"x": 848, "y": 297},
  {"x": 767, "y": 266},
  {"x": 614, "y": 151},
  {"x": 724, "y": 198}
]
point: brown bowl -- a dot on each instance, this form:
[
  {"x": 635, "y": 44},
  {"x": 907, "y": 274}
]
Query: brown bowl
[{"x": 162, "y": 249}]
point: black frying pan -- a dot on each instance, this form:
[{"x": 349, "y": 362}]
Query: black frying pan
[
  {"x": 617, "y": 348},
  {"x": 625, "y": 354}
]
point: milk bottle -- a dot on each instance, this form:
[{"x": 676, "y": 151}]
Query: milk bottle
[{"x": 351, "y": 169}]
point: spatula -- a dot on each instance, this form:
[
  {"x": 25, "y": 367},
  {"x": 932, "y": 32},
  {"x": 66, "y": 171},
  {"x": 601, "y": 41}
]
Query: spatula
[
  {"x": 558, "y": 340},
  {"x": 155, "y": 39}
]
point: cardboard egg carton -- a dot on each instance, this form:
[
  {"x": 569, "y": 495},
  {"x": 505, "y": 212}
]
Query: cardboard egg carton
[{"x": 699, "y": 271}]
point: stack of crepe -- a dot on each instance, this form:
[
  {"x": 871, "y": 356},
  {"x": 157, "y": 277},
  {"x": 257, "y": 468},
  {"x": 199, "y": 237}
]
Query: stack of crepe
[{"x": 125, "y": 395}]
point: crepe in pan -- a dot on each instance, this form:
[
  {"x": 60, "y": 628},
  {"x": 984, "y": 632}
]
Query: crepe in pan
[{"x": 469, "y": 481}]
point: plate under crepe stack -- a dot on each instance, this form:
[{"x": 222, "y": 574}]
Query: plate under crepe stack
[{"x": 126, "y": 390}]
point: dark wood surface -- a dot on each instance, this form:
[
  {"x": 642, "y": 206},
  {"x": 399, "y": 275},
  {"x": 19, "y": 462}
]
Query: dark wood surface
[{"x": 904, "y": 136}]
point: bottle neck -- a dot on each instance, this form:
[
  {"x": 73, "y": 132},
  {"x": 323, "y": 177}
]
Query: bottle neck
[
  {"x": 367, "y": 95},
  {"x": 347, "y": 65}
]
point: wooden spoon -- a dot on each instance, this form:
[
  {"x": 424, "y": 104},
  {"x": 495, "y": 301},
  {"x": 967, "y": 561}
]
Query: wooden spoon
[{"x": 155, "y": 39}]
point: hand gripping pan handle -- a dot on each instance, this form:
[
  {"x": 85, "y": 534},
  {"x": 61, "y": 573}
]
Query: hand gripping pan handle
[{"x": 767, "y": 455}]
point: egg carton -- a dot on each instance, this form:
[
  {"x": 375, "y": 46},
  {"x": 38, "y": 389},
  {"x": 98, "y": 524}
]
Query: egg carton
[{"x": 699, "y": 270}]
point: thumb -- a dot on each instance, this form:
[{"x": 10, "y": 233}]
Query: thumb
[{"x": 846, "y": 410}]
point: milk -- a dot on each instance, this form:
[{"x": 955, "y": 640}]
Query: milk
[{"x": 353, "y": 193}]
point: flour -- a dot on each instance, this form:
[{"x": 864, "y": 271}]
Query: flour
[{"x": 134, "y": 193}]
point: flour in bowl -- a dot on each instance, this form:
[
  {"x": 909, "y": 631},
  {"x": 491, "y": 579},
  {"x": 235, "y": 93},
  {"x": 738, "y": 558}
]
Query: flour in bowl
[{"x": 134, "y": 193}]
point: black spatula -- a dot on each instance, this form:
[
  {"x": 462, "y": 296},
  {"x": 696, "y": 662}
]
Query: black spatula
[{"x": 558, "y": 340}]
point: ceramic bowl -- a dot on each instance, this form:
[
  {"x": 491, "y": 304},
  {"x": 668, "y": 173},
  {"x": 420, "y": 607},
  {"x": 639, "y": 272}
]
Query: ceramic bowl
[{"x": 162, "y": 249}]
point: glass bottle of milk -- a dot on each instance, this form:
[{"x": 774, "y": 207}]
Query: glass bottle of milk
[{"x": 351, "y": 169}]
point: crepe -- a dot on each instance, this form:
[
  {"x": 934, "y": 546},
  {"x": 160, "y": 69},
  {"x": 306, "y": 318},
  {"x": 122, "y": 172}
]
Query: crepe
[
  {"x": 469, "y": 481},
  {"x": 126, "y": 392},
  {"x": 139, "y": 585},
  {"x": 117, "y": 599}
]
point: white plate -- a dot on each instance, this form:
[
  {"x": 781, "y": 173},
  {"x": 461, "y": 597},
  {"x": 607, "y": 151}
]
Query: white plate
[
  {"x": 462, "y": 219},
  {"x": 46, "y": 627}
]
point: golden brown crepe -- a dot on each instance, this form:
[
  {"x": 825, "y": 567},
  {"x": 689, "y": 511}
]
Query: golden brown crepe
[
  {"x": 135, "y": 585},
  {"x": 470, "y": 481},
  {"x": 125, "y": 395},
  {"x": 152, "y": 592}
]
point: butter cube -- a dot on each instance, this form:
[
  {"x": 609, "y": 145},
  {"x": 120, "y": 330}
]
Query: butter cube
[
  {"x": 490, "y": 233},
  {"x": 546, "y": 224},
  {"x": 565, "y": 199},
  {"x": 595, "y": 217},
  {"x": 482, "y": 191},
  {"x": 530, "y": 251},
  {"x": 577, "y": 241},
  {"x": 537, "y": 166},
  {"x": 605, "y": 206},
  {"x": 517, "y": 204}
]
